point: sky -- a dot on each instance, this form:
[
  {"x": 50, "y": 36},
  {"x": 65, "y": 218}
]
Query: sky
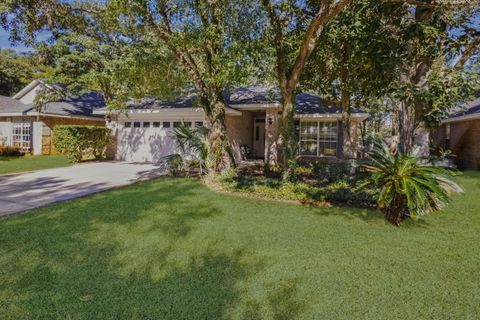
[{"x": 19, "y": 47}]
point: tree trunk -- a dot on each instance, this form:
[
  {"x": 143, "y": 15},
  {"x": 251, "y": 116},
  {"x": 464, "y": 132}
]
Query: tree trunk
[
  {"x": 406, "y": 126},
  {"x": 289, "y": 146},
  {"x": 348, "y": 143},
  {"x": 220, "y": 156}
]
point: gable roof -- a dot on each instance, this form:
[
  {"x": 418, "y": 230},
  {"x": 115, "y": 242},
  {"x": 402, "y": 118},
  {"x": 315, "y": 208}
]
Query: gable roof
[{"x": 81, "y": 105}]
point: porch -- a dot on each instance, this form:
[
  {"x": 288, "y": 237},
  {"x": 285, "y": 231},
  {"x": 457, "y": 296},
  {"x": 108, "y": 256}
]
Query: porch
[{"x": 254, "y": 134}]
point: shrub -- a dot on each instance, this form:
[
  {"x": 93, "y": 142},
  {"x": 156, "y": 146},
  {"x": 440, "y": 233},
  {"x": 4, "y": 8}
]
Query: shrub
[
  {"x": 10, "y": 151},
  {"x": 193, "y": 144},
  {"x": 406, "y": 187},
  {"x": 77, "y": 141},
  {"x": 331, "y": 172},
  {"x": 341, "y": 192}
]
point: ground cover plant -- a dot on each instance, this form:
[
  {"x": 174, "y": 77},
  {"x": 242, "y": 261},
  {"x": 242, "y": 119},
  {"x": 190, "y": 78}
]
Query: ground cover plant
[
  {"x": 173, "y": 249},
  {"x": 318, "y": 184}
]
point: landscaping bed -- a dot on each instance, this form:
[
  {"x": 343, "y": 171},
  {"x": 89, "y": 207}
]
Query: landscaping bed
[{"x": 315, "y": 184}]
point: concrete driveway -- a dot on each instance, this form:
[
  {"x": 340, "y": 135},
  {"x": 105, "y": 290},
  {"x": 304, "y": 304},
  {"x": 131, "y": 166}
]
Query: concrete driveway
[{"x": 20, "y": 192}]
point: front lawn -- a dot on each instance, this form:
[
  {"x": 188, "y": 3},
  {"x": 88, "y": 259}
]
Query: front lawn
[
  {"x": 172, "y": 249},
  {"x": 14, "y": 164}
]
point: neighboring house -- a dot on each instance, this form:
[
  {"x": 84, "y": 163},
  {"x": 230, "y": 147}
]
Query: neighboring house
[
  {"x": 22, "y": 126},
  {"x": 461, "y": 134},
  {"x": 143, "y": 131}
]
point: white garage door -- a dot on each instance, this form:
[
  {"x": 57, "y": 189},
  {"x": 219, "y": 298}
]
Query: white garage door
[{"x": 146, "y": 140}]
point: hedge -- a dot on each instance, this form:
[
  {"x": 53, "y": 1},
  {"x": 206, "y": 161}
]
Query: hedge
[{"x": 78, "y": 141}]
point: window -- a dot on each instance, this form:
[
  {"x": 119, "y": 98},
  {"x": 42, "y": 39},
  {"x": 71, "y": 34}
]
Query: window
[
  {"x": 146, "y": 124},
  {"x": 176, "y": 124},
  {"x": 166, "y": 124},
  {"x": 128, "y": 125},
  {"x": 198, "y": 124},
  {"x": 318, "y": 138},
  {"x": 21, "y": 135},
  {"x": 156, "y": 124},
  {"x": 136, "y": 124}
]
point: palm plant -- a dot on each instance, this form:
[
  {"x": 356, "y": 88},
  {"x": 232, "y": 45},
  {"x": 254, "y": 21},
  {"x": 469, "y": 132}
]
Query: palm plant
[
  {"x": 406, "y": 186},
  {"x": 193, "y": 143}
]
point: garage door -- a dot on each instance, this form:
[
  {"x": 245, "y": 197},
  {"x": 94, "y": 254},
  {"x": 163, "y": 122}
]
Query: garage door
[{"x": 145, "y": 141}]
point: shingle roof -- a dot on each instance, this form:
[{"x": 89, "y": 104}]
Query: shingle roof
[
  {"x": 8, "y": 104},
  {"x": 306, "y": 103},
  {"x": 81, "y": 105},
  {"x": 473, "y": 107}
]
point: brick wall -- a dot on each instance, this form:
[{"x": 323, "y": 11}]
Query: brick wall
[
  {"x": 239, "y": 132},
  {"x": 464, "y": 142}
]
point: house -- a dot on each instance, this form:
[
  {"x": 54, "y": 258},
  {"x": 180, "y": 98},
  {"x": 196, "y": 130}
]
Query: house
[
  {"x": 143, "y": 131},
  {"x": 461, "y": 134},
  {"x": 22, "y": 126}
]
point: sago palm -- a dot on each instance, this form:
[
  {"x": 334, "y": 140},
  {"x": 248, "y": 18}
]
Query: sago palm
[
  {"x": 406, "y": 187},
  {"x": 193, "y": 143}
]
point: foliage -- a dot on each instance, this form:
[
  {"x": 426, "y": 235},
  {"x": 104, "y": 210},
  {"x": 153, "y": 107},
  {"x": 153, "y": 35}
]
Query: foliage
[
  {"x": 293, "y": 31},
  {"x": 193, "y": 144},
  {"x": 10, "y": 151},
  {"x": 46, "y": 95},
  {"x": 175, "y": 164},
  {"x": 407, "y": 188},
  {"x": 16, "y": 71},
  {"x": 342, "y": 191},
  {"x": 78, "y": 141}
]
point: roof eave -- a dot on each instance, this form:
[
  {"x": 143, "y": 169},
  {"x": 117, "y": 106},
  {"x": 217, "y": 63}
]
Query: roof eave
[{"x": 467, "y": 117}]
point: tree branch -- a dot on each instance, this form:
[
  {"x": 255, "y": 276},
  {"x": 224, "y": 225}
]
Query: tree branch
[
  {"x": 325, "y": 14},
  {"x": 432, "y": 3},
  {"x": 469, "y": 51}
]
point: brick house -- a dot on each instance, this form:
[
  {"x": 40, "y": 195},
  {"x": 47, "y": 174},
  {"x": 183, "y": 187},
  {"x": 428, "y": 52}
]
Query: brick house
[
  {"x": 461, "y": 134},
  {"x": 22, "y": 126},
  {"x": 143, "y": 131}
]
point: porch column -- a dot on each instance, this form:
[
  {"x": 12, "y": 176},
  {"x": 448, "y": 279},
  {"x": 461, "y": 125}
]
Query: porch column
[
  {"x": 271, "y": 136},
  {"x": 37, "y": 133}
]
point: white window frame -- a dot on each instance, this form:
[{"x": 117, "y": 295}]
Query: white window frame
[
  {"x": 22, "y": 135},
  {"x": 320, "y": 139}
]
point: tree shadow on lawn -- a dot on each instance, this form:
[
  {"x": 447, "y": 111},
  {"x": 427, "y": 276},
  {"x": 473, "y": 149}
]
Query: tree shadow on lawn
[{"x": 123, "y": 254}]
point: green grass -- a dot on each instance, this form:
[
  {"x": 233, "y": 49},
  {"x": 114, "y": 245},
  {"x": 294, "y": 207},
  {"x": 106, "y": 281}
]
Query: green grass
[
  {"x": 172, "y": 249},
  {"x": 29, "y": 163}
]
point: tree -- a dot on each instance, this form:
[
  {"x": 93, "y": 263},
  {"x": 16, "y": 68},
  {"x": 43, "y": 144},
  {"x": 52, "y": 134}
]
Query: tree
[
  {"x": 15, "y": 72},
  {"x": 429, "y": 85},
  {"x": 209, "y": 40},
  {"x": 295, "y": 28},
  {"x": 356, "y": 63}
]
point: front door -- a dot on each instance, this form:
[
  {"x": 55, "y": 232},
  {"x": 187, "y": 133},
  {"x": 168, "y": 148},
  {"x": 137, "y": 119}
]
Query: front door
[{"x": 259, "y": 137}]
